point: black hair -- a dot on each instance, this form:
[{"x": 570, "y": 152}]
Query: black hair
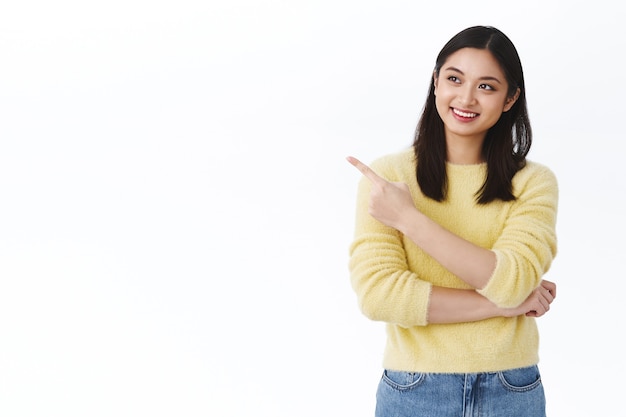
[{"x": 506, "y": 143}]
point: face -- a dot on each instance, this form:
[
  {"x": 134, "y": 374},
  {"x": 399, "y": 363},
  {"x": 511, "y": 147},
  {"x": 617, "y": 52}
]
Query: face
[{"x": 471, "y": 94}]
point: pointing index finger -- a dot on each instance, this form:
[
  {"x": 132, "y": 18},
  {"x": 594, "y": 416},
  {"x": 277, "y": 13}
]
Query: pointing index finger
[{"x": 365, "y": 170}]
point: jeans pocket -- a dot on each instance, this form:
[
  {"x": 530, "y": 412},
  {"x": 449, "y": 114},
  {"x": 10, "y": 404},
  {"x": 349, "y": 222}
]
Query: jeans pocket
[
  {"x": 401, "y": 380},
  {"x": 520, "y": 380}
]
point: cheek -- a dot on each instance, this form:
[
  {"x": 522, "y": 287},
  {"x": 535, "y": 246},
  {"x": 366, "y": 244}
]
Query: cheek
[
  {"x": 441, "y": 105},
  {"x": 497, "y": 108}
]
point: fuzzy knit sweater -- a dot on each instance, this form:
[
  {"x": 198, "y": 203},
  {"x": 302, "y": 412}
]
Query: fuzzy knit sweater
[{"x": 393, "y": 277}]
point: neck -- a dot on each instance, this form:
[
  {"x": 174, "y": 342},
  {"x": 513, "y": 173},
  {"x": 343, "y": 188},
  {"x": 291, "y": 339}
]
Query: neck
[{"x": 464, "y": 151}]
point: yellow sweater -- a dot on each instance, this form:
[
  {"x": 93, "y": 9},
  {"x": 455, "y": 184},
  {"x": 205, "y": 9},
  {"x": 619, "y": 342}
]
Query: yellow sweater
[{"x": 392, "y": 276}]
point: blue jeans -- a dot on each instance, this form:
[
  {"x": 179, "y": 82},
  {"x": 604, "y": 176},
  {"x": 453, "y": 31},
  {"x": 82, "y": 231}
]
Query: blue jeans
[{"x": 512, "y": 393}]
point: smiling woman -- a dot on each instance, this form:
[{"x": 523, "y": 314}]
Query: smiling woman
[
  {"x": 176, "y": 210},
  {"x": 452, "y": 240}
]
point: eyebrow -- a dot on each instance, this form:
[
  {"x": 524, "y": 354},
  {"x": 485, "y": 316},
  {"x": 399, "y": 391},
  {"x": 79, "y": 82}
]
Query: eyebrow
[{"x": 485, "y": 78}]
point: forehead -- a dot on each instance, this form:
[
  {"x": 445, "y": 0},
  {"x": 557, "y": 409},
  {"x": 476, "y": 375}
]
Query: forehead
[{"x": 474, "y": 62}]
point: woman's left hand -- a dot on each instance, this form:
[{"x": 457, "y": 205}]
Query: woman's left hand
[
  {"x": 538, "y": 302},
  {"x": 390, "y": 202},
  {"x": 541, "y": 298}
]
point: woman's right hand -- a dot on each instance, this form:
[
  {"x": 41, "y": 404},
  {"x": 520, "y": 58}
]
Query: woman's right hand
[{"x": 538, "y": 302}]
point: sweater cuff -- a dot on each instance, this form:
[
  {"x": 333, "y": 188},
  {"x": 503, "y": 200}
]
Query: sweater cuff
[{"x": 491, "y": 291}]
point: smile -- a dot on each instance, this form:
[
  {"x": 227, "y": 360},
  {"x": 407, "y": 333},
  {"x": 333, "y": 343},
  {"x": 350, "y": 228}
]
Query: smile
[{"x": 464, "y": 114}]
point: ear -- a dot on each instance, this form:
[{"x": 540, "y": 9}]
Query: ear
[
  {"x": 435, "y": 78},
  {"x": 510, "y": 101}
]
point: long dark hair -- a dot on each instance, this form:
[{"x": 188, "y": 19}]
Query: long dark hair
[{"x": 507, "y": 142}]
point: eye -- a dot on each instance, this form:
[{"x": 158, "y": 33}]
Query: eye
[
  {"x": 454, "y": 79},
  {"x": 486, "y": 87}
]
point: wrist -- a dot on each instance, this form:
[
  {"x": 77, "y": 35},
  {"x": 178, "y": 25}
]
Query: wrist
[
  {"x": 411, "y": 223},
  {"x": 508, "y": 312}
]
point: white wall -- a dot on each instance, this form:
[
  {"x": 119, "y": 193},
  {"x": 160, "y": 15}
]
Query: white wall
[{"x": 175, "y": 206}]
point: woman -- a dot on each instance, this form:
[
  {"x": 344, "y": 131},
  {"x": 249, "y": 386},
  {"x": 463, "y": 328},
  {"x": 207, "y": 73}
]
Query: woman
[{"x": 452, "y": 239}]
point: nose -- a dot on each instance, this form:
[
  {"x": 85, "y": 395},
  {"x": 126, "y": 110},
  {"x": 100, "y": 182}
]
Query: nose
[{"x": 466, "y": 95}]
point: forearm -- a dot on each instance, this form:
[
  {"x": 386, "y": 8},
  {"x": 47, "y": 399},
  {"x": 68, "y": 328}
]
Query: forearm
[
  {"x": 469, "y": 262},
  {"x": 450, "y": 305}
]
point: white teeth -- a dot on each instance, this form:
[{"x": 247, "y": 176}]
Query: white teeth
[{"x": 463, "y": 114}]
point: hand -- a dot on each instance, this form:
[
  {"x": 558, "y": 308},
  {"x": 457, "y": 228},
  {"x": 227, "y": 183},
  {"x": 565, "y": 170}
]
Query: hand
[
  {"x": 390, "y": 202},
  {"x": 538, "y": 302}
]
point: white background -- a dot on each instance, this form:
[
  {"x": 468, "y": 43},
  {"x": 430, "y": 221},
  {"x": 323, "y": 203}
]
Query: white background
[{"x": 176, "y": 209}]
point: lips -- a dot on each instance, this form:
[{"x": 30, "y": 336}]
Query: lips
[{"x": 464, "y": 114}]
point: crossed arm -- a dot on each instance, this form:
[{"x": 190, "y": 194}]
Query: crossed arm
[{"x": 391, "y": 204}]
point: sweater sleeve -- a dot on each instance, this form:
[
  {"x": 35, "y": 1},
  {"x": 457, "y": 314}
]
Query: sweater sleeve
[
  {"x": 525, "y": 249},
  {"x": 385, "y": 287}
]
